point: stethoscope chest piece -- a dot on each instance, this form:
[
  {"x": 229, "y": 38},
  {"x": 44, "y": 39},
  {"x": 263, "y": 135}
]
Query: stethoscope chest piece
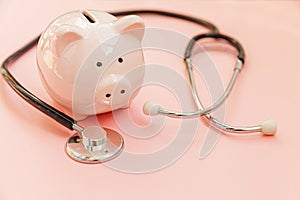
[{"x": 94, "y": 151}]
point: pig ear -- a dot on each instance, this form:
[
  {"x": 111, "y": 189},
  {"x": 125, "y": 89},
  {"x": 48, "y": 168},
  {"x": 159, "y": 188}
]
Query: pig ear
[
  {"x": 64, "y": 37},
  {"x": 129, "y": 24}
]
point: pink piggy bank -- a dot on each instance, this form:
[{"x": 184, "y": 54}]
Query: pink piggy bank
[{"x": 92, "y": 62}]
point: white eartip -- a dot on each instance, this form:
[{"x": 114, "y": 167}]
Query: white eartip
[
  {"x": 151, "y": 108},
  {"x": 269, "y": 127}
]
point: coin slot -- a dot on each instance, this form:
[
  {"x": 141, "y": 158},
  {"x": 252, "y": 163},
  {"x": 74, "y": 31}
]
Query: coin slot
[{"x": 89, "y": 17}]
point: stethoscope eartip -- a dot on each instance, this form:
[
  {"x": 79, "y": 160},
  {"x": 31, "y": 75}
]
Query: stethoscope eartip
[
  {"x": 151, "y": 108},
  {"x": 269, "y": 127}
]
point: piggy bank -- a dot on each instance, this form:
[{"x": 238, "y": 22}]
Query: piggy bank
[{"x": 91, "y": 62}]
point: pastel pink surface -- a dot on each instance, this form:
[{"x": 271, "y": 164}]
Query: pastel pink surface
[{"x": 34, "y": 165}]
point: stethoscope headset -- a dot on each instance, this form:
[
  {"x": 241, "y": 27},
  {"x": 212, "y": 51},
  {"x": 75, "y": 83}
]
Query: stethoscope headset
[{"x": 82, "y": 145}]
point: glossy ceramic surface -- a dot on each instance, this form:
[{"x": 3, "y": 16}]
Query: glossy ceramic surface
[{"x": 91, "y": 62}]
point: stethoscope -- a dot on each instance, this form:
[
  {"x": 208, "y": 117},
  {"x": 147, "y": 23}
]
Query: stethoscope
[{"x": 94, "y": 144}]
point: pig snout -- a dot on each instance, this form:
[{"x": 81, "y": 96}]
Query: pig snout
[{"x": 114, "y": 91}]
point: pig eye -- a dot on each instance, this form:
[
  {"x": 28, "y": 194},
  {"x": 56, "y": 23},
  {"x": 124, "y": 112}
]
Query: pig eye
[
  {"x": 120, "y": 60},
  {"x": 99, "y": 64}
]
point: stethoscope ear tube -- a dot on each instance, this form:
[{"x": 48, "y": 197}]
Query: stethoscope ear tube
[{"x": 268, "y": 127}]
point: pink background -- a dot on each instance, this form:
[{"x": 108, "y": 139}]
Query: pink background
[{"x": 33, "y": 162}]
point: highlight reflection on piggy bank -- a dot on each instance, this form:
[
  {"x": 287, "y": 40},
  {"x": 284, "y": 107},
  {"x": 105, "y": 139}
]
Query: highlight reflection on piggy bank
[{"x": 91, "y": 62}]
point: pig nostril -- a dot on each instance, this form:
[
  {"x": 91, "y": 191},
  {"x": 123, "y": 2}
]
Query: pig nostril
[
  {"x": 108, "y": 95},
  {"x": 122, "y": 91},
  {"x": 120, "y": 60},
  {"x": 99, "y": 64}
]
